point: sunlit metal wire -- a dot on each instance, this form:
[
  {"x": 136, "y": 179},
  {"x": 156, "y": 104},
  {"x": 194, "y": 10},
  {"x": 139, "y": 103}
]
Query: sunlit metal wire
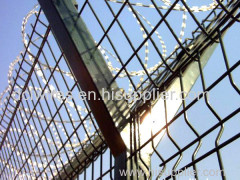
[{"x": 43, "y": 138}]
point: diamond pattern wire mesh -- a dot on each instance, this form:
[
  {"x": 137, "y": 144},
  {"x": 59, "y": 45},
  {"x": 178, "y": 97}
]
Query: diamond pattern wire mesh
[{"x": 44, "y": 138}]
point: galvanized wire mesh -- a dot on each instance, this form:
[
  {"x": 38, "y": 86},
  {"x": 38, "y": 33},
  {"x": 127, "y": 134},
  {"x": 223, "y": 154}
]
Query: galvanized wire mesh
[
  {"x": 58, "y": 137},
  {"x": 39, "y": 133}
]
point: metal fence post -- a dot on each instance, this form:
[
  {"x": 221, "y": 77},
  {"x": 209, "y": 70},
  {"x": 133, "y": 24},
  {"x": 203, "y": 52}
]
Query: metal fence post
[{"x": 90, "y": 70}]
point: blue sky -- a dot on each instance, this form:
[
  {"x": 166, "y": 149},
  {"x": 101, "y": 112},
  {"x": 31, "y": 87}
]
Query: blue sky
[{"x": 11, "y": 15}]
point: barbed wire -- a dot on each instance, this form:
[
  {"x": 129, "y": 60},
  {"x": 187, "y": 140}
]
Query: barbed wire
[{"x": 106, "y": 54}]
